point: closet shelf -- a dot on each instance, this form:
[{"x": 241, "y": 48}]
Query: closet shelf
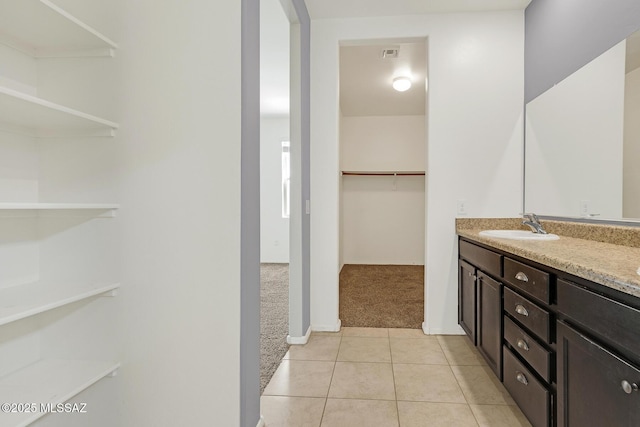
[
  {"x": 49, "y": 381},
  {"x": 57, "y": 206},
  {"x": 33, "y": 116},
  {"x": 22, "y": 301},
  {"x": 383, "y": 173},
  {"x": 32, "y": 210},
  {"x": 42, "y": 29}
]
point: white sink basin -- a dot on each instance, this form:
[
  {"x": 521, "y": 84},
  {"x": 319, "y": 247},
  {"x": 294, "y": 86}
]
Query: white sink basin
[{"x": 518, "y": 235}]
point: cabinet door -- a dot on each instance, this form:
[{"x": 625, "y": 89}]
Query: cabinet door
[
  {"x": 467, "y": 299},
  {"x": 595, "y": 387},
  {"x": 489, "y": 322}
]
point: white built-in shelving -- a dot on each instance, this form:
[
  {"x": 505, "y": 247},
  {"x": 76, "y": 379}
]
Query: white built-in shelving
[
  {"x": 33, "y": 116},
  {"x": 51, "y": 381},
  {"x": 40, "y": 28},
  {"x": 73, "y": 260},
  {"x": 21, "y": 301}
]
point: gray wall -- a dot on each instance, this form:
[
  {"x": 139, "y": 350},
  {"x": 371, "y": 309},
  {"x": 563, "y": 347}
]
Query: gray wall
[
  {"x": 250, "y": 217},
  {"x": 250, "y": 200},
  {"x": 561, "y": 36},
  {"x": 305, "y": 95}
]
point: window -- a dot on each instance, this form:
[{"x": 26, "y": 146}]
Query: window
[{"x": 286, "y": 179}]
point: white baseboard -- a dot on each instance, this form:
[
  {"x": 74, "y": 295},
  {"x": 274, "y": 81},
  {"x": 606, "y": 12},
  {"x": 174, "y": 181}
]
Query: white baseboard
[
  {"x": 456, "y": 330},
  {"x": 261, "y": 422},
  {"x": 327, "y": 328},
  {"x": 299, "y": 340}
]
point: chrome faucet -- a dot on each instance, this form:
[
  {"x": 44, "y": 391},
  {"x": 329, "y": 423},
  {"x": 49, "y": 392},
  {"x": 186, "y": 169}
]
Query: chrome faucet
[{"x": 534, "y": 223}]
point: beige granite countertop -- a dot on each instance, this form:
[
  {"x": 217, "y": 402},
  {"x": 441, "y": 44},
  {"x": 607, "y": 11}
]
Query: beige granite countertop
[{"x": 608, "y": 264}]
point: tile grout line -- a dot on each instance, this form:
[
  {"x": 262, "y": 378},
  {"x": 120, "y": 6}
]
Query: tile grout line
[
  {"x": 461, "y": 390},
  {"x": 335, "y": 362},
  {"x": 393, "y": 375}
]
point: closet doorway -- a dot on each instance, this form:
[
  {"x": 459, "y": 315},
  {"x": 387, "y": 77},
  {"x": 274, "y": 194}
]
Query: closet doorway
[{"x": 383, "y": 142}]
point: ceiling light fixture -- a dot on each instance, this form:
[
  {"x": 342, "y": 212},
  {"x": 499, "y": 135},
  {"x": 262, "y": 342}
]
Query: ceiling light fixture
[{"x": 401, "y": 84}]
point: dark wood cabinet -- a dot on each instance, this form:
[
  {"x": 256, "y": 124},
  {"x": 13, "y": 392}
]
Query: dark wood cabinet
[
  {"x": 467, "y": 298},
  {"x": 483, "y": 299},
  {"x": 566, "y": 349},
  {"x": 489, "y": 322},
  {"x": 595, "y": 386},
  {"x": 480, "y": 301}
]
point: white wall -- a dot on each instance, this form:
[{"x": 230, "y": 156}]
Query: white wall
[
  {"x": 180, "y": 192},
  {"x": 383, "y": 220},
  {"x": 382, "y": 143},
  {"x": 383, "y": 217},
  {"x": 580, "y": 118},
  {"x": 631, "y": 150},
  {"x": 19, "y": 174},
  {"x": 274, "y": 230},
  {"x": 474, "y": 150}
]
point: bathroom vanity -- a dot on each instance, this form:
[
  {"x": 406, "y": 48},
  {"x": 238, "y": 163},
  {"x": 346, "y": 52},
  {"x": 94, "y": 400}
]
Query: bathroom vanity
[{"x": 557, "y": 321}]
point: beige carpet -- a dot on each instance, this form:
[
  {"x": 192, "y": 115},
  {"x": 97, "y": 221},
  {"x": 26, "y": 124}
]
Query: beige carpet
[
  {"x": 274, "y": 318},
  {"x": 382, "y": 296}
]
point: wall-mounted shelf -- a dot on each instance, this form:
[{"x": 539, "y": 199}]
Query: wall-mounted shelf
[
  {"x": 34, "y": 210},
  {"x": 33, "y": 116},
  {"x": 49, "y": 381},
  {"x": 42, "y": 29},
  {"x": 57, "y": 206},
  {"x": 383, "y": 173},
  {"x": 22, "y": 301}
]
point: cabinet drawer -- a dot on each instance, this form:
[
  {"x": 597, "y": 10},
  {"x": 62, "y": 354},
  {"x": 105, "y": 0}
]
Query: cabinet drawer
[
  {"x": 618, "y": 323},
  {"x": 489, "y": 262},
  {"x": 531, "y": 395},
  {"x": 531, "y": 316},
  {"x": 528, "y": 348},
  {"x": 530, "y": 280}
]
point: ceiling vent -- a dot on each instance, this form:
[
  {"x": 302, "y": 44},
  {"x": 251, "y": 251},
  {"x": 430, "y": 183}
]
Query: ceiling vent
[{"x": 390, "y": 53}]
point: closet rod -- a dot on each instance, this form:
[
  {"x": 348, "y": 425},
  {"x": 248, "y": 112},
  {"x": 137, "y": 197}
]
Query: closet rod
[{"x": 383, "y": 173}]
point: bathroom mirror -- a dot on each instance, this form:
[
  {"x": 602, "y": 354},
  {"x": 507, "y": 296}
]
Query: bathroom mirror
[{"x": 582, "y": 140}]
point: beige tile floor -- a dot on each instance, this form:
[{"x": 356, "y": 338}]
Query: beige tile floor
[{"x": 386, "y": 377}]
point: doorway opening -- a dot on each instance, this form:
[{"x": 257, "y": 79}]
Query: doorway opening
[
  {"x": 275, "y": 186},
  {"x": 383, "y": 142}
]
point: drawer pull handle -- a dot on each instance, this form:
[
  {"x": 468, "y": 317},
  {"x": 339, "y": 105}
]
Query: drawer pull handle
[
  {"x": 521, "y": 378},
  {"x": 629, "y": 387},
  {"x": 521, "y": 310},
  {"x": 523, "y": 345},
  {"x": 522, "y": 277}
]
